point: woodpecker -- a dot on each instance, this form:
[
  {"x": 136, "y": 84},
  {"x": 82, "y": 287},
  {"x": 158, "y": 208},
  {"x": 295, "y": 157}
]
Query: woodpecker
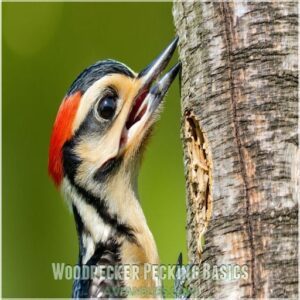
[{"x": 98, "y": 138}]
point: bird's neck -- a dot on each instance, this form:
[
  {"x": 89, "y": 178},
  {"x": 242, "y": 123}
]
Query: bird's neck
[{"x": 112, "y": 228}]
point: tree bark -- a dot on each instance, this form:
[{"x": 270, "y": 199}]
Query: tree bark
[{"x": 239, "y": 90}]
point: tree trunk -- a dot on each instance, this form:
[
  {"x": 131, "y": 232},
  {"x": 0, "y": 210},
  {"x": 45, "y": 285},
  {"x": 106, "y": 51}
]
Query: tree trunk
[{"x": 239, "y": 90}]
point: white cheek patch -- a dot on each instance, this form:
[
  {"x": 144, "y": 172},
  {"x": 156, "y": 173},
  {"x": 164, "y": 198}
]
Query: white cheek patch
[
  {"x": 93, "y": 154},
  {"x": 94, "y": 151}
]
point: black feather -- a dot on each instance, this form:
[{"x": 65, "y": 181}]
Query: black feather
[{"x": 95, "y": 72}]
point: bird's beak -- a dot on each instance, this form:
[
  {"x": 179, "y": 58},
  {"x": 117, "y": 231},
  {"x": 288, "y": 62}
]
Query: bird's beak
[
  {"x": 152, "y": 71},
  {"x": 149, "y": 96}
]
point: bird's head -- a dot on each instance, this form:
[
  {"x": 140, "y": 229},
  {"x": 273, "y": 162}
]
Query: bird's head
[{"x": 105, "y": 119}]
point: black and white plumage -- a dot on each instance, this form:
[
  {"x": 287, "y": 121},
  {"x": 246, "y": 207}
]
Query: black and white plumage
[{"x": 95, "y": 151}]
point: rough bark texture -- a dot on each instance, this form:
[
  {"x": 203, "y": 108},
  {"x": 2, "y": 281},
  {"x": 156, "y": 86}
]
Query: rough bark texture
[{"x": 240, "y": 116}]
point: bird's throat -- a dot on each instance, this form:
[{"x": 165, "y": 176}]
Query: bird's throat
[{"x": 110, "y": 238}]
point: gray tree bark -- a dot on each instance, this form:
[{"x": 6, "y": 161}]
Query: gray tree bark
[{"x": 239, "y": 92}]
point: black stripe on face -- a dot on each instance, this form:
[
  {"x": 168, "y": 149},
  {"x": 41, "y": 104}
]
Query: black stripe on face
[
  {"x": 93, "y": 73},
  {"x": 89, "y": 128},
  {"x": 107, "y": 169},
  {"x": 71, "y": 161}
]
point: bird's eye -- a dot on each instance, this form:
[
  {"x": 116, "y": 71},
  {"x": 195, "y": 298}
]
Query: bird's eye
[{"x": 107, "y": 107}]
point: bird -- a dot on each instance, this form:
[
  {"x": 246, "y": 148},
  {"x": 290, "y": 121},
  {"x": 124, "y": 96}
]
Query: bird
[{"x": 96, "y": 148}]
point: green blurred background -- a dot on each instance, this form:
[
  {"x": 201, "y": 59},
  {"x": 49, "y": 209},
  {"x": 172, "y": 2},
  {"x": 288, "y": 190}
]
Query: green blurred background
[{"x": 45, "y": 46}]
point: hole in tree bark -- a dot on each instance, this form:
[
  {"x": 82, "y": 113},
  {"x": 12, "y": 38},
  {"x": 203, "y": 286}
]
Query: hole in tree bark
[{"x": 199, "y": 178}]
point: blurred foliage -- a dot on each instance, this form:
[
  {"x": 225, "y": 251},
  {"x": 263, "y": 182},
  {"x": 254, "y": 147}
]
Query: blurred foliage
[{"x": 45, "y": 46}]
